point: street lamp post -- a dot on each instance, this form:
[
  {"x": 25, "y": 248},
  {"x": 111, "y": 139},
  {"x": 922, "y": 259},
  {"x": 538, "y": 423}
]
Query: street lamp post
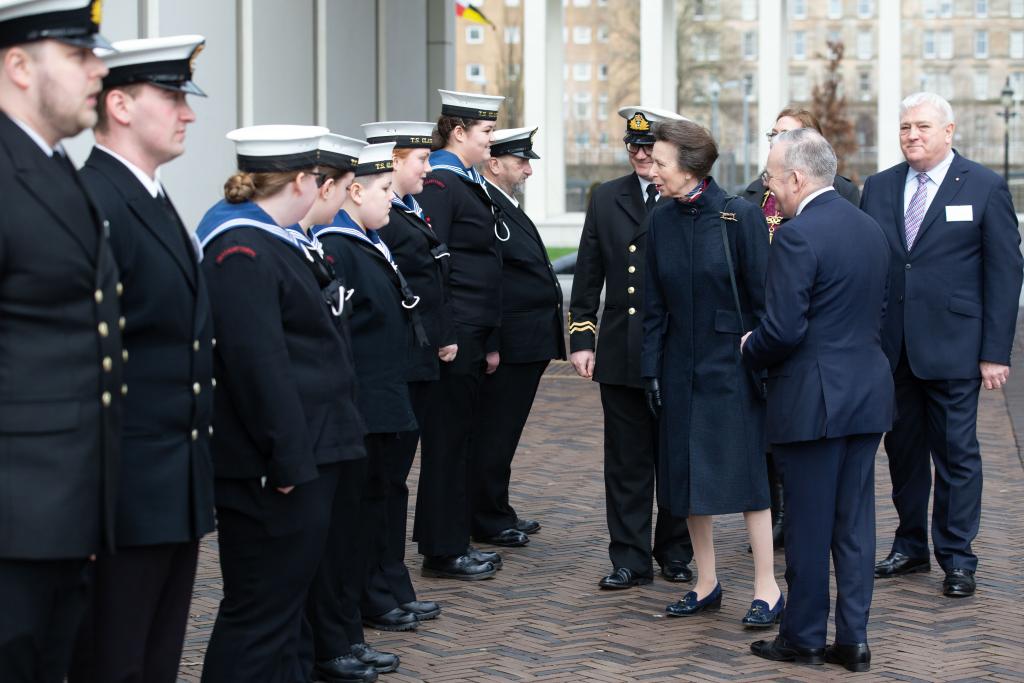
[{"x": 1006, "y": 97}]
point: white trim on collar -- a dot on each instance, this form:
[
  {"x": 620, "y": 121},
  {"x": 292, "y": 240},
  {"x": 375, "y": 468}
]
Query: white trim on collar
[{"x": 152, "y": 185}]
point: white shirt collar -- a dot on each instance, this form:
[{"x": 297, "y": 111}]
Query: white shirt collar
[
  {"x": 807, "y": 200},
  {"x": 509, "y": 197},
  {"x": 937, "y": 174},
  {"x": 644, "y": 183},
  {"x": 152, "y": 185},
  {"x": 37, "y": 138}
]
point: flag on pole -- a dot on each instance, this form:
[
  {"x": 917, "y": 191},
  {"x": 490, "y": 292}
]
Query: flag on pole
[{"x": 468, "y": 11}]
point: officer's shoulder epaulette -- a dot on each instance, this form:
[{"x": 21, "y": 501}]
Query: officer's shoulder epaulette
[{"x": 235, "y": 250}]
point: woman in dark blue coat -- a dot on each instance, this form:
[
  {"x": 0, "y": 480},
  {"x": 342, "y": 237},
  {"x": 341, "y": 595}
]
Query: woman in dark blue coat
[{"x": 711, "y": 442}]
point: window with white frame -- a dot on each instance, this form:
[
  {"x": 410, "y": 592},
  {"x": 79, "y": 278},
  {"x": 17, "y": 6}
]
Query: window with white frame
[
  {"x": 474, "y": 35},
  {"x": 1016, "y": 44},
  {"x": 581, "y": 35},
  {"x": 945, "y": 44},
  {"x": 581, "y": 71},
  {"x": 603, "y": 34},
  {"x": 930, "y": 8},
  {"x": 799, "y": 44},
  {"x": 864, "y": 85},
  {"x": 712, "y": 45},
  {"x": 945, "y": 8},
  {"x": 750, "y": 45},
  {"x": 581, "y": 3},
  {"x": 981, "y": 85},
  {"x": 798, "y": 9},
  {"x": 582, "y": 139},
  {"x": 928, "y": 46},
  {"x": 981, "y": 44},
  {"x": 865, "y": 8},
  {"x": 602, "y": 107},
  {"x": 748, "y": 10},
  {"x": 865, "y": 44},
  {"x": 798, "y": 90},
  {"x": 833, "y": 36},
  {"x": 981, "y": 8},
  {"x": 835, "y": 9},
  {"x": 706, "y": 9},
  {"x": 514, "y": 71},
  {"x": 581, "y": 105},
  {"x": 475, "y": 73},
  {"x": 1017, "y": 85},
  {"x": 602, "y": 72},
  {"x": 1017, "y": 9},
  {"x": 512, "y": 35}
]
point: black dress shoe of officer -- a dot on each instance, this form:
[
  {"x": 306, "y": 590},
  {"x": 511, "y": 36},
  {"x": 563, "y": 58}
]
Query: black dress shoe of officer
[
  {"x": 959, "y": 583},
  {"x": 344, "y": 669},
  {"x": 507, "y": 538},
  {"x": 398, "y": 619},
  {"x": 527, "y": 526},
  {"x": 461, "y": 567},
  {"x": 676, "y": 571},
  {"x": 623, "y": 578},
  {"x": 485, "y": 556},
  {"x": 855, "y": 657},
  {"x": 423, "y": 610},
  {"x": 898, "y": 564},
  {"x": 781, "y": 650},
  {"x": 690, "y": 605},
  {"x": 382, "y": 662}
]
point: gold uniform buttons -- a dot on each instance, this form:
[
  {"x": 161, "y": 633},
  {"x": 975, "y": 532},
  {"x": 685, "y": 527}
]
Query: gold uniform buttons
[
  {"x": 119, "y": 288},
  {"x": 632, "y": 248},
  {"x": 631, "y": 290},
  {"x": 124, "y": 355},
  {"x": 632, "y": 311},
  {"x": 124, "y": 389},
  {"x": 196, "y": 388},
  {"x": 106, "y": 399},
  {"x": 195, "y": 434},
  {"x": 98, "y": 296},
  {"x": 103, "y": 328},
  {"x": 213, "y": 342},
  {"x": 631, "y": 269},
  {"x": 108, "y": 364},
  {"x": 120, "y": 323},
  {"x": 211, "y": 430},
  {"x": 213, "y": 382},
  {"x": 195, "y": 345}
]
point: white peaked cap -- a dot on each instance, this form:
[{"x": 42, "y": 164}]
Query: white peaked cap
[
  {"x": 166, "y": 62},
  {"x": 283, "y": 147},
  {"x": 653, "y": 114},
  {"x": 469, "y": 105}
]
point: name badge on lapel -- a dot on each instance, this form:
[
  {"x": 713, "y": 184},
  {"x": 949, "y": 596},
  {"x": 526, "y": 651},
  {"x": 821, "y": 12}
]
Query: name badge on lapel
[{"x": 959, "y": 213}]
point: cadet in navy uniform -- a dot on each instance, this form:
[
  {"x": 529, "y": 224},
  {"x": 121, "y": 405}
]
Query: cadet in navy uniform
[
  {"x": 59, "y": 339},
  {"x": 531, "y": 335},
  {"x": 380, "y": 329},
  {"x": 456, "y": 205},
  {"x": 288, "y": 432},
  {"x": 611, "y": 258},
  {"x": 165, "y": 482},
  {"x": 389, "y": 599}
]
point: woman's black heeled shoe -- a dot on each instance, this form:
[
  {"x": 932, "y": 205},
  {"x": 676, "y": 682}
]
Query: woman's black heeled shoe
[
  {"x": 690, "y": 605},
  {"x": 761, "y": 616}
]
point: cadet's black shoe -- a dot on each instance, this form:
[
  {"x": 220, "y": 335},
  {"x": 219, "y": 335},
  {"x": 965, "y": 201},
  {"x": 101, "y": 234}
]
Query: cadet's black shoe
[
  {"x": 780, "y": 650},
  {"x": 485, "y": 556},
  {"x": 676, "y": 571},
  {"x": 423, "y": 610},
  {"x": 344, "y": 669},
  {"x": 959, "y": 583},
  {"x": 461, "y": 567},
  {"x": 623, "y": 578},
  {"x": 507, "y": 538},
  {"x": 856, "y": 657},
  {"x": 382, "y": 662},
  {"x": 398, "y": 619},
  {"x": 527, "y": 526},
  {"x": 898, "y": 564}
]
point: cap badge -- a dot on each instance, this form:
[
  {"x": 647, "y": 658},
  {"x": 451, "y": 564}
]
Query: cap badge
[
  {"x": 96, "y": 12},
  {"x": 192, "y": 59},
  {"x": 639, "y": 123}
]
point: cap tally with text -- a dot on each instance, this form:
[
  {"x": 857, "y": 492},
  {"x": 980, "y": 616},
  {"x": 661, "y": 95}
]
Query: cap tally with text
[
  {"x": 405, "y": 134},
  {"x": 515, "y": 141},
  {"x": 339, "y": 151},
  {"x": 467, "y": 105},
  {"x": 639, "y": 120},
  {"x": 76, "y": 22},
  {"x": 164, "y": 62},
  {"x": 375, "y": 159},
  {"x": 273, "y": 148}
]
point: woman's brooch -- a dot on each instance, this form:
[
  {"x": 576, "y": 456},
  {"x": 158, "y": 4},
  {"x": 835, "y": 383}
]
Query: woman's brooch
[{"x": 727, "y": 216}]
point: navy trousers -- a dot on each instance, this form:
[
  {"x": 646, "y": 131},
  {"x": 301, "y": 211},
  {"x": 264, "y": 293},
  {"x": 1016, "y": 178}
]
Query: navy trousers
[{"x": 829, "y": 488}]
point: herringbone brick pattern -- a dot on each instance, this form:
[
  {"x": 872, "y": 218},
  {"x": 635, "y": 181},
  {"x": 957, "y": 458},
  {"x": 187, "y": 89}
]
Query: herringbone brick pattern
[{"x": 543, "y": 618}]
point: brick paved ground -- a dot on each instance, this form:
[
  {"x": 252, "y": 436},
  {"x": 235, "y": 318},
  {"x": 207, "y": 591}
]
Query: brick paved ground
[{"x": 543, "y": 618}]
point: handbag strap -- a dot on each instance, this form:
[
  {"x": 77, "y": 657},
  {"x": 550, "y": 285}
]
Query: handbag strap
[{"x": 725, "y": 215}]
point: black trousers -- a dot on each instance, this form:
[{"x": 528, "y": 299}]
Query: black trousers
[
  {"x": 505, "y": 403},
  {"x": 135, "y": 626},
  {"x": 385, "y": 507},
  {"x": 442, "y": 505},
  {"x": 936, "y": 417},
  {"x": 42, "y": 603},
  {"x": 271, "y": 545},
  {"x": 630, "y": 468}
]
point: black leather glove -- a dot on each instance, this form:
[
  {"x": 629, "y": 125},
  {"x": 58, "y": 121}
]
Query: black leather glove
[{"x": 653, "y": 391}]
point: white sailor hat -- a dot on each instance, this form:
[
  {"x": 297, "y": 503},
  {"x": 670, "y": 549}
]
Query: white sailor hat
[
  {"x": 339, "y": 151},
  {"x": 267, "y": 149},
  {"x": 639, "y": 120},
  {"x": 467, "y": 105},
  {"x": 405, "y": 134},
  {"x": 164, "y": 62},
  {"x": 375, "y": 159},
  {"x": 515, "y": 141},
  {"x": 76, "y": 22}
]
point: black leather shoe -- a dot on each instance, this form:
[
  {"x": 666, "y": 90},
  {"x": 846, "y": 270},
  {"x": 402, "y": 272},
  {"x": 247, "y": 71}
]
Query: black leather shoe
[
  {"x": 397, "y": 619},
  {"x": 856, "y": 657},
  {"x": 898, "y": 564},
  {"x": 623, "y": 578},
  {"x": 690, "y": 605},
  {"x": 527, "y": 526},
  {"x": 959, "y": 583},
  {"x": 423, "y": 610},
  {"x": 461, "y": 567},
  {"x": 485, "y": 556},
  {"x": 780, "y": 650},
  {"x": 507, "y": 538},
  {"x": 382, "y": 662},
  {"x": 676, "y": 571},
  {"x": 344, "y": 669}
]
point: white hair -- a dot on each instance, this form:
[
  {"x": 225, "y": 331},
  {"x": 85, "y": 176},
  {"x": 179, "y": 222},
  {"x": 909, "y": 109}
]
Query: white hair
[
  {"x": 807, "y": 151},
  {"x": 937, "y": 101}
]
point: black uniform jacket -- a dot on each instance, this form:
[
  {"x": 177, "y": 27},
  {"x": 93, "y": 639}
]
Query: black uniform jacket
[
  {"x": 531, "y": 297},
  {"x": 423, "y": 260},
  {"x": 60, "y": 359},
  {"x": 611, "y": 255},
  {"x": 166, "y": 476},
  {"x": 381, "y": 340},
  {"x": 285, "y": 390},
  {"x": 460, "y": 213}
]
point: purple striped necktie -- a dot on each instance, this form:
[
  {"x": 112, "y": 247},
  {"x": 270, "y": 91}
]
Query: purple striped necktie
[{"x": 915, "y": 210}]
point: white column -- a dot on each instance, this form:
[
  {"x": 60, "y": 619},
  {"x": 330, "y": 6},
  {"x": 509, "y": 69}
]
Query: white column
[
  {"x": 543, "y": 56},
  {"x": 772, "y": 68},
  {"x": 440, "y": 53},
  {"x": 890, "y": 83},
  {"x": 658, "y": 58}
]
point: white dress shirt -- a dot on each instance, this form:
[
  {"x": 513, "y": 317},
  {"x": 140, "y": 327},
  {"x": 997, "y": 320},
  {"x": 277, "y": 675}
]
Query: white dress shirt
[
  {"x": 152, "y": 185},
  {"x": 935, "y": 178},
  {"x": 643, "y": 190}
]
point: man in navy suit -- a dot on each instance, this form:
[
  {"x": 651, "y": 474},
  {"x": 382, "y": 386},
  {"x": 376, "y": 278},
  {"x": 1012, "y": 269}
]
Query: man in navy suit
[
  {"x": 830, "y": 397},
  {"x": 955, "y": 279}
]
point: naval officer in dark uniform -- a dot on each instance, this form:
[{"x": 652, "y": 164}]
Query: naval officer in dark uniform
[
  {"x": 136, "y": 626},
  {"x": 611, "y": 256},
  {"x": 530, "y": 336},
  {"x": 59, "y": 339}
]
